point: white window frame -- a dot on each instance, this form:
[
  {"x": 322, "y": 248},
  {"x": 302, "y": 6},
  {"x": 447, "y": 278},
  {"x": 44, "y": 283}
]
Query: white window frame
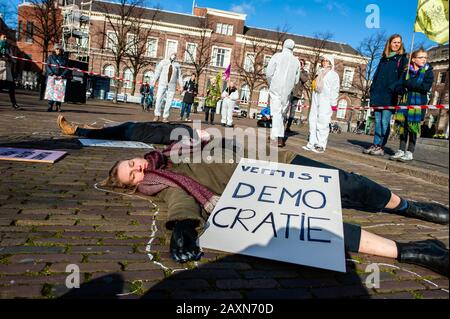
[
  {"x": 167, "y": 55},
  {"x": 226, "y": 60},
  {"x": 190, "y": 58},
  {"x": 230, "y": 30},
  {"x": 245, "y": 89},
  {"x": 148, "y": 53},
  {"x": 263, "y": 98},
  {"x": 219, "y": 28},
  {"x": 340, "y": 114},
  {"x": 110, "y": 40},
  {"x": 347, "y": 83},
  {"x": 249, "y": 62},
  {"x": 128, "y": 84},
  {"x": 108, "y": 73},
  {"x": 130, "y": 45}
]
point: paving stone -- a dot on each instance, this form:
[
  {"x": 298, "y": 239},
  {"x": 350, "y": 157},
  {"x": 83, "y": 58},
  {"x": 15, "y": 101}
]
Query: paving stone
[
  {"x": 237, "y": 284},
  {"x": 45, "y": 258},
  {"x": 213, "y": 295},
  {"x": 341, "y": 292},
  {"x": 270, "y": 294},
  {"x": 389, "y": 286},
  {"x": 31, "y": 291},
  {"x": 31, "y": 249},
  {"x": 20, "y": 268}
]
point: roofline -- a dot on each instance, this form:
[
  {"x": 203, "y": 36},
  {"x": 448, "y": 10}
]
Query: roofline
[{"x": 236, "y": 15}]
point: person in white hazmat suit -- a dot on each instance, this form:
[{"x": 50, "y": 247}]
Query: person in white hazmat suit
[
  {"x": 324, "y": 99},
  {"x": 283, "y": 73},
  {"x": 168, "y": 74},
  {"x": 229, "y": 96}
]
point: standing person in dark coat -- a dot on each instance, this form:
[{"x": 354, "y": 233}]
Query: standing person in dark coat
[
  {"x": 297, "y": 94},
  {"x": 190, "y": 92},
  {"x": 54, "y": 63},
  {"x": 389, "y": 71},
  {"x": 6, "y": 75}
]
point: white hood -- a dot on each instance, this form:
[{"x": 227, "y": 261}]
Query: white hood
[{"x": 329, "y": 58}]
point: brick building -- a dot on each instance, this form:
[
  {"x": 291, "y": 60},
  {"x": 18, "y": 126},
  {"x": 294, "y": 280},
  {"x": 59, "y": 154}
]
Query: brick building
[{"x": 230, "y": 41}]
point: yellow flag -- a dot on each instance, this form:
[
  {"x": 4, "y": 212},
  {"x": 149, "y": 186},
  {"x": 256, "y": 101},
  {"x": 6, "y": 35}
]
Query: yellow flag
[{"x": 432, "y": 20}]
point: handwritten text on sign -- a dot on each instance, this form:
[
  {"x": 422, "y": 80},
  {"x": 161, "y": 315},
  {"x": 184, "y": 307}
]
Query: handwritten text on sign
[{"x": 283, "y": 212}]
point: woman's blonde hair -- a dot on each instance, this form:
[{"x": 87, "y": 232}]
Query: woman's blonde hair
[
  {"x": 387, "y": 47},
  {"x": 416, "y": 53},
  {"x": 112, "y": 180}
]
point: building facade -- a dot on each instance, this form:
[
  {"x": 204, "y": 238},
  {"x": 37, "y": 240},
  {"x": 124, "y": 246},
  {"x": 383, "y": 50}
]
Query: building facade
[{"x": 220, "y": 38}]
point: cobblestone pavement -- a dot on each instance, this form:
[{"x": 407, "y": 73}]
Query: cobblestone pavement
[{"x": 52, "y": 216}]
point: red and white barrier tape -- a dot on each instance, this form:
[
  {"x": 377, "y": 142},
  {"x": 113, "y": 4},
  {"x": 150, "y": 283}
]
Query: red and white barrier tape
[{"x": 398, "y": 107}]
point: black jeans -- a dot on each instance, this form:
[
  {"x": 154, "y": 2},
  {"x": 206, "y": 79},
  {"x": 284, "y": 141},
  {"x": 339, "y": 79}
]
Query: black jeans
[
  {"x": 356, "y": 192},
  {"x": 404, "y": 138},
  {"x": 213, "y": 112},
  {"x": 10, "y": 86},
  {"x": 146, "y": 132}
]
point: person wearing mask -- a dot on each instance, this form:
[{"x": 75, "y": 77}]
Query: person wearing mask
[
  {"x": 414, "y": 86},
  {"x": 324, "y": 99},
  {"x": 389, "y": 71},
  {"x": 56, "y": 78},
  {"x": 297, "y": 95},
  {"x": 168, "y": 74},
  {"x": 230, "y": 97},
  {"x": 190, "y": 92},
  {"x": 6, "y": 76},
  {"x": 283, "y": 73}
]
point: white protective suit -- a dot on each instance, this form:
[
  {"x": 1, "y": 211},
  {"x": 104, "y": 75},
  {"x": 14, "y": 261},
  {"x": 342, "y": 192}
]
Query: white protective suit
[
  {"x": 321, "y": 111},
  {"x": 166, "y": 87},
  {"x": 283, "y": 73},
  {"x": 228, "y": 104}
]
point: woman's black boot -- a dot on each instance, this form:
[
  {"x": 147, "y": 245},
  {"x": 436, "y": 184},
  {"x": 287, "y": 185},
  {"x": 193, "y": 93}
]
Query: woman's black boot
[
  {"x": 431, "y": 212},
  {"x": 430, "y": 254}
]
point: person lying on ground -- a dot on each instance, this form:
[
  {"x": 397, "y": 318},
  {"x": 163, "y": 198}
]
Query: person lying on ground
[
  {"x": 191, "y": 191},
  {"x": 146, "y": 132}
]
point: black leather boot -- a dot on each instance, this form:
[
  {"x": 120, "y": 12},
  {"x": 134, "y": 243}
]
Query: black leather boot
[
  {"x": 430, "y": 254},
  {"x": 431, "y": 212}
]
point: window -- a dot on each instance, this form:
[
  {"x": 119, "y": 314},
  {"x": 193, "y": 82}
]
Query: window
[
  {"x": 263, "y": 97},
  {"x": 109, "y": 72},
  {"x": 83, "y": 42},
  {"x": 221, "y": 57},
  {"x": 149, "y": 76},
  {"x": 266, "y": 61},
  {"x": 152, "y": 47},
  {"x": 347, "y": 79},
  {"x": 128, "y": 79},
  {"x": 225, "y": 29},
  {"x": 19, "y": 31},
  {"x": 245, "y": 94},
  {"x": 131, "y": 44},
  {"x": 171, "y": 47},
  {"x": 249, "y": 62},
  {"x": 441, "y": 78},
  {"x": 190, "y": 55},
  {"x": 111, "y": 40},
  {"x": 29, "y": 34},
  {"x": 342, "y": 109},
  {"x": 307, "y": 66}
]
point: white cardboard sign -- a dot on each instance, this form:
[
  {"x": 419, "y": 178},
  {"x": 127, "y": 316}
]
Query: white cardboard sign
[
  {"x": 282, "y": 212},
  {"x": 110, "y": 143}
]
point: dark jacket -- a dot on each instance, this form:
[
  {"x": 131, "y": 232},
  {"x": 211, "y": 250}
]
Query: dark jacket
[
  {"x": 59, "y": 60},
  {"x": 388, "y": 72},
  {"x": 298, "y": 89},
  {"x": 144, "y": 89},
  {"x": 191, "y": 90}
]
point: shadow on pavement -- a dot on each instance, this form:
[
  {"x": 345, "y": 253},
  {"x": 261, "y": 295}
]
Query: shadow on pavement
[{"x": 47, "y": 144}]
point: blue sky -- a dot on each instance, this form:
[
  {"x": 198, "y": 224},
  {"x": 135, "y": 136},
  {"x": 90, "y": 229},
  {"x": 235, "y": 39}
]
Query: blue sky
[{"x": 344, "y": 18}]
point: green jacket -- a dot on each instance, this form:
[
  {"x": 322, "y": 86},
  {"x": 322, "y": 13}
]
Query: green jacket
[
  {"x": 213, "y": 94},
  {"x": 214, "y": 176}
]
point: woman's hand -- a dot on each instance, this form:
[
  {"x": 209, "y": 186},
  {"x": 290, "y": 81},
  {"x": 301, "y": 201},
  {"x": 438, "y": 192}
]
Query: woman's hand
[{"x": 183, "y": 243}]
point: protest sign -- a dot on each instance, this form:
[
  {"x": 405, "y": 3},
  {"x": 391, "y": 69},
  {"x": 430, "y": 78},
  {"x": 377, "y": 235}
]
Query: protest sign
[
  {"x": 282, "y": 212},
  {"x": 29, "y": 155}
]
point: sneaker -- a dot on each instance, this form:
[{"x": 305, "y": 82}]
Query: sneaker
[
  {"x": 378, "y": 151},
  {"x": 407, "y": 157},
  {"x": 165, "y": 120},
  {"x": 16, "y": 106},
  {"x": 156, "y": 119},
  {"x": 397, "y": 155},
  {"x": 318, "y": 149},
  {"x": 370, "y": 149},
  {"x": 66, "y": 127},
  {"x": 188, "y": 120},
  {"x": 308, "y": 147},
  {"x": 281, "y": 142}
]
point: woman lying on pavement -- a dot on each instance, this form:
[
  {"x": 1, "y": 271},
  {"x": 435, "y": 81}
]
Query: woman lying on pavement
[
  {"x": 146, "y": 132},
  {"x": 191, "y": 191}
]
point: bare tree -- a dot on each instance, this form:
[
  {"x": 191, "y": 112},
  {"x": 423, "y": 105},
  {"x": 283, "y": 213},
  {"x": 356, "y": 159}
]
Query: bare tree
[
  {"x": 318, "y": 47},
  {"x": 200, "y": 57},
  {"x": 253, "y": 63},
  {"x": 137, "y": 52},
  {"x": 372, "y": 49},
  {"x": 121, "y": 18}
]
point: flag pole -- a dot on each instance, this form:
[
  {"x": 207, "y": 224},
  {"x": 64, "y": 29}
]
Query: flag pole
[{"x": 410, "y": 52}]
